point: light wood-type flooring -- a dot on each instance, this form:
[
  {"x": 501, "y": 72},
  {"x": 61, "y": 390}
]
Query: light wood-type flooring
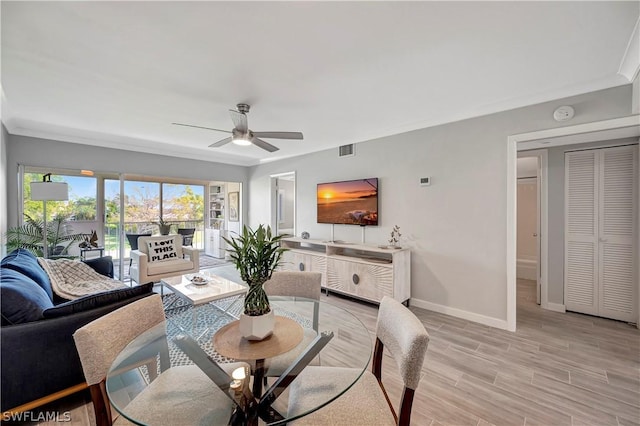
[{"x": 556, "y": 369}]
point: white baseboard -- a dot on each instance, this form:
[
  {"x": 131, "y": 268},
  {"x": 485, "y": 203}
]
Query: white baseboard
[
  {"x": 459, "y": 313},
  {"x": 556, "y": 307},
  {"x": 526, "y": 269}
]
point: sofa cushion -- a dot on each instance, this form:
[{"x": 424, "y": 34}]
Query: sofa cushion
[
  {"x": 97, "y": 300},
  {"x": 24, "y": 262},
  {"x": 21, "y": 299}
]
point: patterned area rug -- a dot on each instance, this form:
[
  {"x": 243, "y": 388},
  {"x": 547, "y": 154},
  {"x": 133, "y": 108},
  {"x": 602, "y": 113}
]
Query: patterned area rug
[{"x": 199, "y": 322}]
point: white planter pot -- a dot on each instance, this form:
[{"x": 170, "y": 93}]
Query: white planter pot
[{"x": 257, "y": 328}]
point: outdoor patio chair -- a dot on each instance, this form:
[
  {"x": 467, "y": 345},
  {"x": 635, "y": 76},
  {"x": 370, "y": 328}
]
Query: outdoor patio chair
[{"x": 187, "y": 235}]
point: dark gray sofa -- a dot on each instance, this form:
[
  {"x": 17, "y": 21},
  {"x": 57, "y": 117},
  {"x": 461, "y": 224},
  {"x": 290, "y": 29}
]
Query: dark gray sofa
[{"x": 38, "y": 356}]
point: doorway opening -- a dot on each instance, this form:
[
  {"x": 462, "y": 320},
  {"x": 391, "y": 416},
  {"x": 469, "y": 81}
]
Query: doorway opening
[
  {"x": 606, "y": 130},
  {"x": 283, "y": 203},
  {"x": 528, "y": 224}
]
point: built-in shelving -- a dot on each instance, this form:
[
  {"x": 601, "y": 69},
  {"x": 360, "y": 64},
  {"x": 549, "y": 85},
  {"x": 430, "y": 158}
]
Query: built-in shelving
[
  {"x": 216, "y": 206},
  {"x": 214, "y": 244}
]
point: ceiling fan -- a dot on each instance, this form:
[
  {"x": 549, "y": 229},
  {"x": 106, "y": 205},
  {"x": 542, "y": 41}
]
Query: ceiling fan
[{"x": 241, "y": 135}]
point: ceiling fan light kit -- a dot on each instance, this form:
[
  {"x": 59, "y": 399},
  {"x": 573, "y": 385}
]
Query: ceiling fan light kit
[
  {"x": 242, "y": 141},
  {"x": 241, "y": 135}
]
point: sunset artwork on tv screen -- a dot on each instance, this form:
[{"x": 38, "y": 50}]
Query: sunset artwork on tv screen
[{"x": 353, "y": 202}]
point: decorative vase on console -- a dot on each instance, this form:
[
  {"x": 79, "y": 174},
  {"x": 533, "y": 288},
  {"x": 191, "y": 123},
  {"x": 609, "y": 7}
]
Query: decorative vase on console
[
  {"x": 395, "y": 237},
  {"x": 256, "y": 254}
]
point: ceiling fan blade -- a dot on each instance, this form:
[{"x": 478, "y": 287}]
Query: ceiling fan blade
[
  {"x": 264, "y": 145},
  {"x": 239, "y": 120},
  {"x": 220, "y": 143},
  {"x": 200, "y": 127},
  {"x": 279, "y": 135}
]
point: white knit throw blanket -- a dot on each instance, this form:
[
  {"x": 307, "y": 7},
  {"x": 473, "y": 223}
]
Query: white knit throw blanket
[{"x": 71, "y": 279}]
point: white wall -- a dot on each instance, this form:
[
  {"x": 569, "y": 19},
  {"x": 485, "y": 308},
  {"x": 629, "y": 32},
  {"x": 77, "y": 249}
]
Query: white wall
[
  {"x": 50, "y": 153},
  {"x": 456, "y": 227}
]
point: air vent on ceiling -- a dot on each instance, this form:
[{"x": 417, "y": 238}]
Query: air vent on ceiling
[{"x": 347, "y": 150}]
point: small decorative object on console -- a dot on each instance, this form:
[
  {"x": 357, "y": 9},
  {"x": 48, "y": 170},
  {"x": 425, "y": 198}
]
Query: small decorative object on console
[
  {"x": 395, "y": 237},
  {"x": 93, "y": 240},
  {"x": 305, "y": 235}
]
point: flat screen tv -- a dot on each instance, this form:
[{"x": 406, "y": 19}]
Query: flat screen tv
[{"x": 352, "y": 202}]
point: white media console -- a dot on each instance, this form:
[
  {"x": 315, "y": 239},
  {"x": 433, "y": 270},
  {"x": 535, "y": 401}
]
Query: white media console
[{"x": 362, "y": 271}]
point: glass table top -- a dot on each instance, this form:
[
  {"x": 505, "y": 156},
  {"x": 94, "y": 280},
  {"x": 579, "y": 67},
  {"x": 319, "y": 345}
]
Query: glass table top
[{"x": 349, "y": 346}]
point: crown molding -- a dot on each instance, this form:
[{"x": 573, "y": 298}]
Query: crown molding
[{"x": 630, "y": 64}]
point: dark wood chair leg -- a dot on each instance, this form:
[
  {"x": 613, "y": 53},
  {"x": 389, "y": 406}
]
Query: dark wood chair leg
[
  {"x": 376, "y": 365},
  {"x": 101, "y": 404},
  {"x": 405, "y": 407}
]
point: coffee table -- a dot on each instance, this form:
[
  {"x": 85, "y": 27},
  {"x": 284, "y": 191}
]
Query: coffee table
[{"x": 199, "y": 296}]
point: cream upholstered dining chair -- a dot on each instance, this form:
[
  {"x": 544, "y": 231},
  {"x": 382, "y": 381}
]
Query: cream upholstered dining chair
[
  {"x": 102, "y": 340},
  {"x": 366, "y": 402},
  {"x": 294, "y": 284},
  {"x": 172, "y": 259}
]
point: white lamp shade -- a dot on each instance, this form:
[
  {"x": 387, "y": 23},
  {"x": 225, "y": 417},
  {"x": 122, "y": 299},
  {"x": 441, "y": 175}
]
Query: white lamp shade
[{"x": 49, "y": 191}]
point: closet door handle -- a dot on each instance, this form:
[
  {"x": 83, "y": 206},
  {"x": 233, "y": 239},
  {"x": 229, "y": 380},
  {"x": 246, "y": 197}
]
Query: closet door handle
[{"x": 603, "y": 240}]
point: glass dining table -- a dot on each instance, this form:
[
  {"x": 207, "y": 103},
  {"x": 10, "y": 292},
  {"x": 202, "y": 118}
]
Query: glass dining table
[{"x": 332, "y": 337}]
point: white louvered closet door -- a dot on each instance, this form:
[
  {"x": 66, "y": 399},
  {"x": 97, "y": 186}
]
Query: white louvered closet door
[
  {"x": 600, "y": 222},
  {"x": 617, "y": 220},
  {"x": 581, "y": 233}
]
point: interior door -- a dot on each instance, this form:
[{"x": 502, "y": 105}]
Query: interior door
[
  {"x": 601, "y": 226},
  {"x": 581, "y": 239},
  {"x": 617, "y": 214}
]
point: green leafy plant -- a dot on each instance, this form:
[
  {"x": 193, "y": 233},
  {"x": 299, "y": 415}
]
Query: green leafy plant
[
  {"x": 256, "y": 254},
  {"x": 29, "y": 236}
]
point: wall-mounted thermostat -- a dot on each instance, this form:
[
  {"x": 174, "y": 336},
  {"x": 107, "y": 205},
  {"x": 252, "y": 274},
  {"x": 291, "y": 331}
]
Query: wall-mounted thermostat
[{"x": 425, "y": 181}]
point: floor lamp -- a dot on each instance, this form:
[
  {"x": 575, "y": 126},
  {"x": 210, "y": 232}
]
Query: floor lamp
[{"x": 48, "y": 191}]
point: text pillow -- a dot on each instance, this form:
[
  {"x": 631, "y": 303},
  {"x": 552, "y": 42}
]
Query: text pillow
[{"x": 162, "y": 249}]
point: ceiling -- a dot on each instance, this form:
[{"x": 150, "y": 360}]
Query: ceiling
[{"x": 117, "y": 74}]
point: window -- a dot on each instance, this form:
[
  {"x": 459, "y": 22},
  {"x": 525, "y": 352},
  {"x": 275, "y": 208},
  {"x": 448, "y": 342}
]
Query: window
[{"x": 182, "y": 202}]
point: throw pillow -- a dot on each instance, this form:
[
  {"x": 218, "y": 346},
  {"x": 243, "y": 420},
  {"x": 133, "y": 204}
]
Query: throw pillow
[
  {"x": 21, "y": 299},
  {"x": 161, "y": 249},
  {"x": 24, "y": 262},
  {"x": 97, "y": 300}
]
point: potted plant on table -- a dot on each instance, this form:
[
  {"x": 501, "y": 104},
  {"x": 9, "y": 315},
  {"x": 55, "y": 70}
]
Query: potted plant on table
[
  {"x": 256, "y": 254},
  {"x": 165, "y": 227}
]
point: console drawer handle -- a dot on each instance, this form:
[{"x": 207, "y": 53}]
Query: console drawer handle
[
  {"x": 356, "y": 279},
  {"x": 301, "y": 266}
]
